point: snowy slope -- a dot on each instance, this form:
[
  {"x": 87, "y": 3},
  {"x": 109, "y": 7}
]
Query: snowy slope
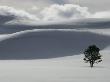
[
  {"x": 71, "y": 24},
  {"x": 53, "y": 55},
  {"x": 66, "y": 69},
  {"x": 35, "y": 44}
]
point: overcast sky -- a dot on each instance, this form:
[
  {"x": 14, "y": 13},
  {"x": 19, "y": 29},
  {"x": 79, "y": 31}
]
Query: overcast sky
[
  {"x": 52, "y": 10},
  {"x": 93, "y": 5}
]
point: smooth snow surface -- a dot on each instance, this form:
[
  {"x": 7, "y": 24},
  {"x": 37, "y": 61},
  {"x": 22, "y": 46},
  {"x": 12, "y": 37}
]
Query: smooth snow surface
[
  {"x": 53, "y": 55},
  {"x": 66, "y": 69},
  {"x": 49, "y": 43}
]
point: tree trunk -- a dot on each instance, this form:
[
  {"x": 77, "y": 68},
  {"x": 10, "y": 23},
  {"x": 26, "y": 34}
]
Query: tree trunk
[{"x": 91, "y": 63}]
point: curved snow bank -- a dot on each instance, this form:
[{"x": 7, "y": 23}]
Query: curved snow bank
[
  {"x": 73, "y": 24},
  {"x": 38, "y": 44}
]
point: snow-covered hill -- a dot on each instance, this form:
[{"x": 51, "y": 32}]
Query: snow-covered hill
[
  {"x": 54, "y": 54},
  {"x": 71, "y": 24},
  {"x": 45, "y": 43}
]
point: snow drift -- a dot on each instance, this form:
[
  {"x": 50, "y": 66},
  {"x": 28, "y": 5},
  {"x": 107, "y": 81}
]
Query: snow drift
[
  {"x": 71, "y": 24},
  {"x": 43, "y": 44}
]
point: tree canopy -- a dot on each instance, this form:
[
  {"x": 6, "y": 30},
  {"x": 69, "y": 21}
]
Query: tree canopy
[{"x": 92, "y": 55}]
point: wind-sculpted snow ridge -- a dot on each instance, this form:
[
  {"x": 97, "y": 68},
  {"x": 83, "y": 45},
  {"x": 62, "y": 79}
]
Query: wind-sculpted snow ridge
[
  {"x": 73, "y": 24},
  {"x": 44, "y": 44}
]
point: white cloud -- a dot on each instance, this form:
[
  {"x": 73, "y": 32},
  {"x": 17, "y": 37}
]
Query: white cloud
[
  {"x": 16, "y": 15},
  {"x": 67, "y": 11},
  {"x": 103, "y": 14},
  {"x": 54, "y": 12}
]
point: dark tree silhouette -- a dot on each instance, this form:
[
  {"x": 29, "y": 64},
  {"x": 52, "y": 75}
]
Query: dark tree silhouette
[{"x": 92, "y": 55}]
